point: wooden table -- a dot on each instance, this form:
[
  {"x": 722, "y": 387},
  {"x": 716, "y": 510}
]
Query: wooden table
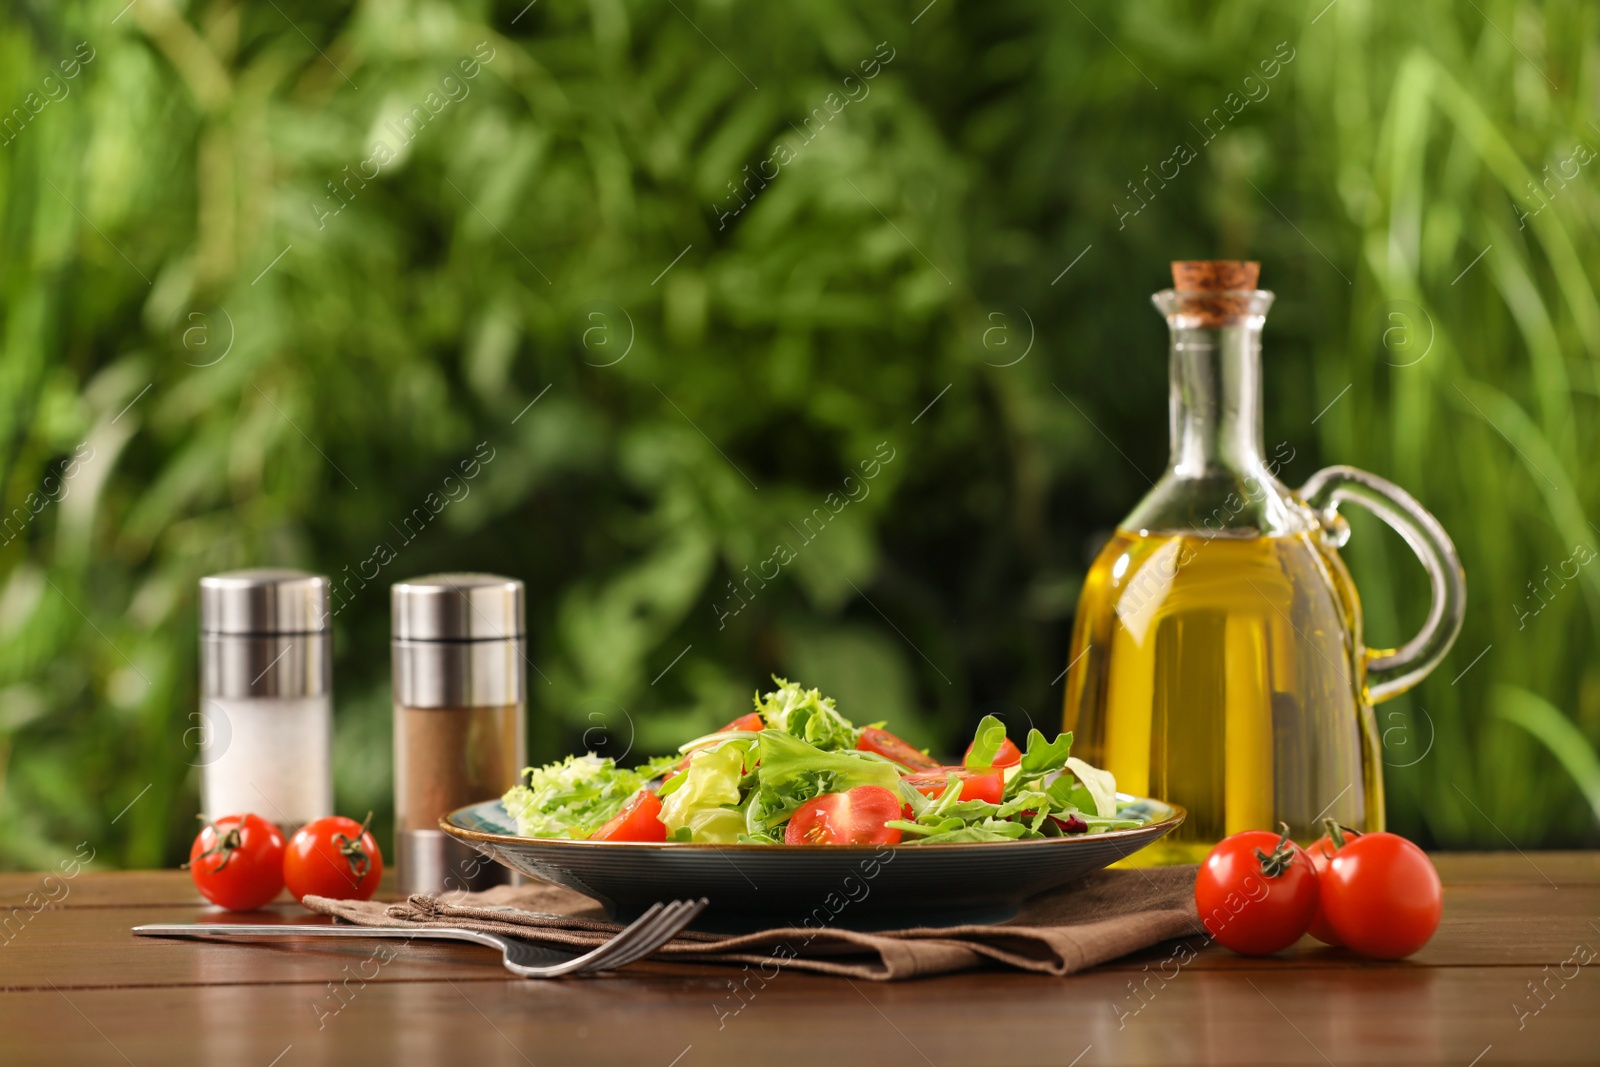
[{"x": 75, "y": 988}]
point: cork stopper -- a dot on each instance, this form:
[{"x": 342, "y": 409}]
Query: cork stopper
[
  {"x": 1230, "y": 281},
  {"x": 1192, "y": 275}
]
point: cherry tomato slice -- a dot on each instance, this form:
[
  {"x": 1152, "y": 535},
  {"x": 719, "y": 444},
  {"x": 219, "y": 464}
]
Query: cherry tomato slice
[
  {"x": 990, "y": 787},
  {"x": 639, "y": 820},
  {"x": 333, "y": 857},
  {"x": 237, "y": 862},
  {"x": 975, "y": 785},
  {"x": 882, "y": 742},
  {"x": 1256, "y": 906},
  {"x": 1008, "y": 756},
  {"x": 855, "y": 817},
  {"x": 1382, "y": 896}
]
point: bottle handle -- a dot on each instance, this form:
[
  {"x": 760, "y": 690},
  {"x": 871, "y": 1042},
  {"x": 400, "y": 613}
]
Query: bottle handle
[{"x": 1392, "y": 671}]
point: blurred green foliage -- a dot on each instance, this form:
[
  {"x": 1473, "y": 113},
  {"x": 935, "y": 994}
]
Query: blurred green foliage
[{"x": 271, "y": 357}]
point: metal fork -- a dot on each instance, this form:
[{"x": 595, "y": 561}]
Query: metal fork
[{"x": 658, "y": 925}]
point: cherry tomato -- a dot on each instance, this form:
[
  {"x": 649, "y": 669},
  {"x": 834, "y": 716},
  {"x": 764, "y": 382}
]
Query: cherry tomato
[
  {"x": 1382, "y": 896},
  {"x": 1321, "y": 853},
  {"x": 237, "y": 862},
  {"x": 1256, "y": 892},
  {"x": 1009, "y": 754},
  {"x": 901, "y": 751},
  {"x": 639, "y": 820},
  {"x": 975, "y": 785},
  {"x": 333, "y": 857},
  {"x": 855, "y": 817}
]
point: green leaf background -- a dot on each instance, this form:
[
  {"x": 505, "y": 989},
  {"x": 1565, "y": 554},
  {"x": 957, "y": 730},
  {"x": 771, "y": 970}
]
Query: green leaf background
[{"x": 264, "y": 381}]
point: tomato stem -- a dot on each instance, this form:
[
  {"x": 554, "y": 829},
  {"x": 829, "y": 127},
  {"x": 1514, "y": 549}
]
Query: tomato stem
[
  {"x": 1337, "y": 833},
  {"x": 1275, "y": 865},
  {"x": 351, "y": 850},
  {"x": 227, "y": 844}
]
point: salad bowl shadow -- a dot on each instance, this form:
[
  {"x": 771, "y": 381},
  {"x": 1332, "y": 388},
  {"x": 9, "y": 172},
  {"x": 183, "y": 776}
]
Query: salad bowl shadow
[{"x": 858, "y": 887}]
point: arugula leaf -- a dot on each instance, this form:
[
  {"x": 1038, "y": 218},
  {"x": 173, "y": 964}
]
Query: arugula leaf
[
  {"x": 1113, "y": 823},
  {"x": 1031, "y": 803},
  {"x": 1043, "y": 756},
  {"x": 1067, "y": 794},
  {"x": 986, "y": 742},
  {"x": 988, "y": 830},
  {"x": 940, "y": 826}
]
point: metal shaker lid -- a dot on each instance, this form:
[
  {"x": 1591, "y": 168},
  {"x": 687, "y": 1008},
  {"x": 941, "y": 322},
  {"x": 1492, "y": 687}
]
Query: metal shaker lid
[
  {"x": 457, "y": 607},
  {"x": 265, "y": 600}
]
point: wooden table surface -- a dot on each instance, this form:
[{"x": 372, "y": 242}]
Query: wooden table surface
[{"x": 1503, "y": 982}]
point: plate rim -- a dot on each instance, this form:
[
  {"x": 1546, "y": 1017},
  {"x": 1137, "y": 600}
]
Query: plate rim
[{"x": 462, "y": 833}]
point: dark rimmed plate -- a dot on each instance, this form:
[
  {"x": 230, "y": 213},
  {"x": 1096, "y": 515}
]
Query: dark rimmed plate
[{"x": 854, "y": 886}]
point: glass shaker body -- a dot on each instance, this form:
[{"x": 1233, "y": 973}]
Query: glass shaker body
[
  {"x": 263, "y": 733},
  {"x": 459, "y": 712}
]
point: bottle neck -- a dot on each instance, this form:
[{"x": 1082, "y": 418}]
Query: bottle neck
[
  {"x": 1218, "y": 479},
  {"x": 1216, "y": 399}
]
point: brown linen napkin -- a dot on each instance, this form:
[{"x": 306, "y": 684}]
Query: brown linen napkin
[{"x": 1098, "y": 918}]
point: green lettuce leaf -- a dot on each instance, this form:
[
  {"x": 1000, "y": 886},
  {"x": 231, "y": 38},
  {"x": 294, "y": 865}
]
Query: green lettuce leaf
[
  {"x": 793, "y": 772},
  {"x": 706, "y": 802},
  {"x": 1102, "y": 786},
  {"x": 575, "y": 796},
  {"x": 808, "y": 715},
  {"x": 785, "y": 757}
]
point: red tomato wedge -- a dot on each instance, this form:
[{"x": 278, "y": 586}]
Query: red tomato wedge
[
  {"x": 889, "y": 746},
  {"x": 990, "y": 785},
  {"x": 751, "y": 722},
  {"x": 1008, "y": 756},
  {"x": 639, "y": 820},
  {"x": 855, "y": 817}
]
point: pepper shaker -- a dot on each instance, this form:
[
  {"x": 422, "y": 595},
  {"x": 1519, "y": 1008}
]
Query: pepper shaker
[
  {"x": 266, "y": 696},
  {"x": 459, "y": 735}
]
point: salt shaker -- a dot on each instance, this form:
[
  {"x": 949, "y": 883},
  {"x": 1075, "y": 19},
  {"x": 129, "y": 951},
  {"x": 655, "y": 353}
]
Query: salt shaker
[
  {"x": 459, "y": 702},
  {"x": 265, "y": 733}
]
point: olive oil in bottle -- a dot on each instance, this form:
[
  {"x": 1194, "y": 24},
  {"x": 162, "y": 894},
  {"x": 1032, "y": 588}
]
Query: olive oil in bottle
[{"x": 1217, "y": 671}]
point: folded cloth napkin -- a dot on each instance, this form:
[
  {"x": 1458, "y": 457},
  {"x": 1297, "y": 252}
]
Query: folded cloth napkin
[{"x": 1098, "y": 918}]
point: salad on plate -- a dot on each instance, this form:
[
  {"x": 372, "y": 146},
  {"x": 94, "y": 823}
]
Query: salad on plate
[{"x": 796, "y": 772}]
